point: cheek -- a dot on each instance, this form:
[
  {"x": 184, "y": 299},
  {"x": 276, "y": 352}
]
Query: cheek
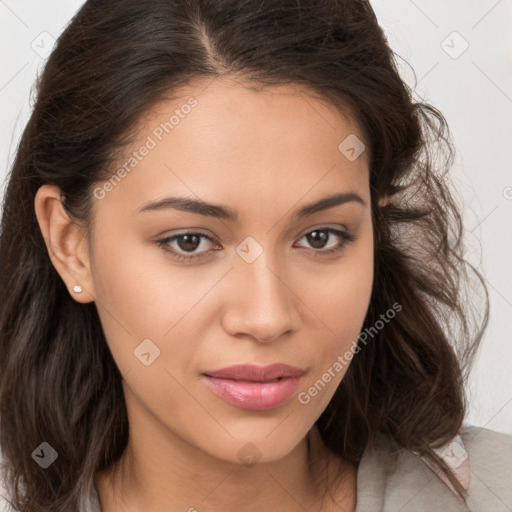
[
  {"x": 140, "y": 286},
  {"x": 340, "y": 299},
  {"x": 341, "y": 293},
  {"x": 141, "y": 295}
]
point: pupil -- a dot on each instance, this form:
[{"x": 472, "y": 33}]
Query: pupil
[
  {"x": 317, "y": 237},
  {"x": 185, "y": 242}
]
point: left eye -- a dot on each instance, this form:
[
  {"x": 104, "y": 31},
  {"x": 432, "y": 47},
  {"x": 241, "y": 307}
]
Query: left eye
[
  {"x": 189, "y": 242},
  {"x": 321, "y": 235}
]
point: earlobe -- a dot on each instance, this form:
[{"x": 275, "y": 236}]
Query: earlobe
[
  {"x": 390, "y": 196},
  {"x": 65, "y": 243},
  {"x": 384, "y": 201}
]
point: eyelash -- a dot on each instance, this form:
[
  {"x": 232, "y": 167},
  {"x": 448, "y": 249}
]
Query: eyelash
[{"x": 163, "y": 242}]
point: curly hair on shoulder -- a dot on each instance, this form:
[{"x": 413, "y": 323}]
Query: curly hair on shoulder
[{"x": 58, "y": 380}]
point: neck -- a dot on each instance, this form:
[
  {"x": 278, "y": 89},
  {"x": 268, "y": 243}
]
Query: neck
[{"x": 142, "y": 480}]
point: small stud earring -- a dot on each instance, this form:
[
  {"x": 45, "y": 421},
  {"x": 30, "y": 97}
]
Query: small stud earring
[{"x": 77, "y": 288}]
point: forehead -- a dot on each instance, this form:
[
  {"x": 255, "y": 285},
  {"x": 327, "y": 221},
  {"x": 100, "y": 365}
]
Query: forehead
[{"x": 225, "y": 140}]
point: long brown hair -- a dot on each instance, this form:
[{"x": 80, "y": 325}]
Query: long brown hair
[{"x": 59, "y": 383}]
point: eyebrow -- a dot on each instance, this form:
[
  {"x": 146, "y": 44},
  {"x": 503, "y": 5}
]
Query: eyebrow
[{"x": 224, "y": 212}]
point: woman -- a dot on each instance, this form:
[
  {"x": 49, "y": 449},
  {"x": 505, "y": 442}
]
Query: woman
[{"x": 232, "y": 273}]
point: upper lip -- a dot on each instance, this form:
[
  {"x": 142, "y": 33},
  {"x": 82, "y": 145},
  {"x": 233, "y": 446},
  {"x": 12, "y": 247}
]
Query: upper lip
[{"x": 256, "y": 373}]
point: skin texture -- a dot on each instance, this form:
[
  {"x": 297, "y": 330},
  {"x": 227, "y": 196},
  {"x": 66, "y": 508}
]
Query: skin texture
[{"x": 265, "y": 154}]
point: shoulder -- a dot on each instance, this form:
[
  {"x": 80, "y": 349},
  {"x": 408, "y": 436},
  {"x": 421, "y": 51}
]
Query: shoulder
[
  {"x": 490, "y": 456},
  {"x": 391, "y": 479}
]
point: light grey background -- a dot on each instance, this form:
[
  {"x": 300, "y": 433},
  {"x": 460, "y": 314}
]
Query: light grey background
[{"x": 471, "y": 86}]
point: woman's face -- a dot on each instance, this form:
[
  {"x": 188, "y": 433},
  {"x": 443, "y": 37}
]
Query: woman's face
[{"x": 261, "y": 288}]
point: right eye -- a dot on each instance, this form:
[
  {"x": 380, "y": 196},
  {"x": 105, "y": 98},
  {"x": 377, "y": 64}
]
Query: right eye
[{"x": 185, "y": 241}]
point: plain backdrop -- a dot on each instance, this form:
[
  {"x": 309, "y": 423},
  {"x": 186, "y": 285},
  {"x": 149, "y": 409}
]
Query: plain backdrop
[{"x": 461, "y": 53}]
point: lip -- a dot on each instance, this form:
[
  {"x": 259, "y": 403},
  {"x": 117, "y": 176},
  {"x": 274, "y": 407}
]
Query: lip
[
  {"x": 248, "y": 386},
  {"x": 253, "y": 372}
]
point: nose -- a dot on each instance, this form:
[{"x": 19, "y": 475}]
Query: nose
[{"x": 261, "y": 303}]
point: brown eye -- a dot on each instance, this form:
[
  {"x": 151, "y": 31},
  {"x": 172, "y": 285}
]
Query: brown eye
[
  {"x": 186, "y": 246},
  {"x": 319, "y": 237},
  {"x": 188, "y": 242}
]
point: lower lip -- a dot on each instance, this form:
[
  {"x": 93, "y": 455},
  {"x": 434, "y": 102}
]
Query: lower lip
[{"x": 257, "y": 396}]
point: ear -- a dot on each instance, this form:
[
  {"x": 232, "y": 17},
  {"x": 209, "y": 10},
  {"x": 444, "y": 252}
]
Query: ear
[
  {"x": 383, "y": 201},
  {"x": 65, "y": 241}
]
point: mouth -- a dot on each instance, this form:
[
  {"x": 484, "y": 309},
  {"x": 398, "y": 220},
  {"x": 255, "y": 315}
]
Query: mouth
[
  {"x": 252, "y": 372},
  {"x": 254, "y": 387}
]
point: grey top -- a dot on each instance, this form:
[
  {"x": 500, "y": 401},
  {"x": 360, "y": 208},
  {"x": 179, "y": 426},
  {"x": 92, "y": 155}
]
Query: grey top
[{"x": 392, "y": 481}]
